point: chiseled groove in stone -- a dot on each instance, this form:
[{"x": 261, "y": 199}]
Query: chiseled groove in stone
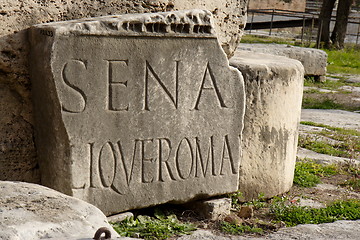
[{"x": 188, "y": 23}]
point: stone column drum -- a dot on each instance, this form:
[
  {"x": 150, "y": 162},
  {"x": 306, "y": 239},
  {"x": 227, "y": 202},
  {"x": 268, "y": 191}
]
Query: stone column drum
[
  {"x": 274, "y": 87},
  {"x": 136, "y": 110}
]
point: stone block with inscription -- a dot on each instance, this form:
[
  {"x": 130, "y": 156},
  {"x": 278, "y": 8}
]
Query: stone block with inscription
[{"x": 136, "y": 110}]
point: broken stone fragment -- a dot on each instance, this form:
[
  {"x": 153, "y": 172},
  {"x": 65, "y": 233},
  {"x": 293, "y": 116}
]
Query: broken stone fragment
[
  {"x": 213, "y": 209},
  {"x": 246, "y": 212}
]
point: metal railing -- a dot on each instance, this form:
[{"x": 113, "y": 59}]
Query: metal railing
[{"x": 297, "y": 19}]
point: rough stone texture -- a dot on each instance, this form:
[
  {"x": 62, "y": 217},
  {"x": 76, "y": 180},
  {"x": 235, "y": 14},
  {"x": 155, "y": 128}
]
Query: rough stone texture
[
  {"x": 17, "y": 150},
  {"x": 334, "y": 118},
  {"x": 294, "y": 5},
  {"x": 337, "y": 230},
  {"x": 120, "y": 217},
  {"x": 246, "y": 212},
  {"x": 136, "y": 109},
  {"x": 214, "y": 209},
  {"x": 349, "y": 230},
  {"x": 313, "y": 60},
  {"x": 323, "y": 158},
  {"x": 274, "y": 87},
  {"x": 29, "y": 211}
]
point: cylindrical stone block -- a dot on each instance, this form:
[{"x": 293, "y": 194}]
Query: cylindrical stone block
[{"x": 273, "y": 87}]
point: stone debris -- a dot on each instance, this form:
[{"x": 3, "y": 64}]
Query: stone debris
[
  {"x": 120, "y": 217},
  {"x": 234, "y": 219},
  {"x": 213, "y": 209},
  {"x": 246, "y": 212}
]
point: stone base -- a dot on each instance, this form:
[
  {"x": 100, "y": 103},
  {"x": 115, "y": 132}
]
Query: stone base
[
  {"x": 213, "y": 209},
  {"x": 274, "y": 87}
]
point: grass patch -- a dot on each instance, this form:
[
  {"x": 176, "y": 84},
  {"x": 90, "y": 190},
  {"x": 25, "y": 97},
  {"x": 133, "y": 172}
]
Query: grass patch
[
  {"x": 293, "y": 215},
  {"x": 338, "y": 130},
  {"x": 235, "y": 229},
  {"x": 160, "y": 226},
  {"x": 308, "y": 173},
  {"x": 258, "y": 203},
  {"x": 328, "y": 84},
  {"x": 344, "y": 61},
  {"x": 265, "y": 39},
  {"x": 353, "y": 183},
  {"x": 315, "y": 103},
  {"x": 348, "y": 147},
  {"x": 338, "y": 150}
]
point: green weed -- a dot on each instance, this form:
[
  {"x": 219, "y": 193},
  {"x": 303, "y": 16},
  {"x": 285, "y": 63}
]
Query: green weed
[
  {"x": 235, "y": 199},
  {"x": 293, "y": 215},
  {"x": 260, "y": 202},
  {"x": 354, "y": 183},
  {"x": 308, "y": 173},
  {"x": 315, "y": 103},
  {"x": 339, "y": 150},
  {"x": 265, "y": 39},
  {"x": 158, "y": 227},
  {"x": 344, "y": 61},
  {"x": 329, "y": 84},
  {"x": 338, "y": 130},
  {"x": 349, "y": 146},
  {"x": 238, "y": 229}
]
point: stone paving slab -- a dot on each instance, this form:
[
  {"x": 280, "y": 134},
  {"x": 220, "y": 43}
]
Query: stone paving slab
[
  {"x": 334, "y": 118},
  {"x": 336, "y": 230},
  {"x": 323, "y": 158}
]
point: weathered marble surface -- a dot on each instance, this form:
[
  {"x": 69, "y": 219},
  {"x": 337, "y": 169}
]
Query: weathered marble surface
[
  {"x": 136, "y": 110},
  {"x": 30, "y": 211},
  {"x": 17, "y": 148},
  {"x": 274, "y": 88},
  {"x": 313, "y": 60}
]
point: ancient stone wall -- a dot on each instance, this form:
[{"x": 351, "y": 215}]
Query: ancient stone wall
[
  {"x": 294, "y": 5},
  {"x": 17, "y": 148}
]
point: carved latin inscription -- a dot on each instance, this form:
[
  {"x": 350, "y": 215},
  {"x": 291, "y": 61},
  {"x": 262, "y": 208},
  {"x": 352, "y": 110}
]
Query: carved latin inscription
[
  {"x": 136, "y": 110},
  {"x": 117, "y": 83},
  {"x": 161, "y": 160},
  {"x": 75, "y": 93}
]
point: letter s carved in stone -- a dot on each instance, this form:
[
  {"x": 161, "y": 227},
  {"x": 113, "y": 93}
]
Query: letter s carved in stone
[{"x": 74, "y": 99}]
